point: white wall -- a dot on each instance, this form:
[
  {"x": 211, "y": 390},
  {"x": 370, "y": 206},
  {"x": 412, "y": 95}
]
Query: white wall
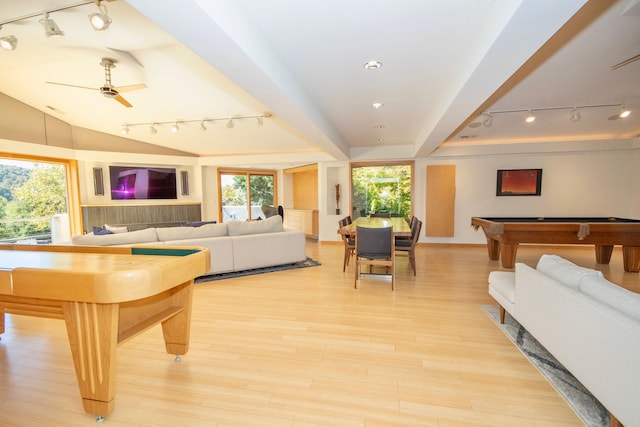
[{"x": 590, "y": 183}]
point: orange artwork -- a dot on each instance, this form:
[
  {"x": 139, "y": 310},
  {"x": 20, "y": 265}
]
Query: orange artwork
[{"x": 519, "y": 182}]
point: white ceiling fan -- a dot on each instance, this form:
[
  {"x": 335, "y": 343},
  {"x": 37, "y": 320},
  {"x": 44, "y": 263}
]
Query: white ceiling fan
[{"x": 107, "y": 89}]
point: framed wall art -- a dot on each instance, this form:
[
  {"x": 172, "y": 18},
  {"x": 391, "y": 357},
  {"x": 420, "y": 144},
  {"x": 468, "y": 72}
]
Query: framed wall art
[{"x": 519, "y": 182}]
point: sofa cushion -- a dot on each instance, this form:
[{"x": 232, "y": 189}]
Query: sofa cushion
[
  {"x": 611, "y": 294},
  {"x": 179, "y": 233},
  {"x": 564, "y": 271},
  {"x": 147, "y": 235},
  {"x": 269, "y": 225}
]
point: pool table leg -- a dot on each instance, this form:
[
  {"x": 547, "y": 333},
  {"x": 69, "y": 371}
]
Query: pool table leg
[
  {"x": 93, "y": 336},
  {"x": 177, "y": 329},
  {"x": 493, "y": 247},
  {"x": 603, "y": 253},
  {"x": 631, "y": 258},
  {"x": 508, "y": 254}
]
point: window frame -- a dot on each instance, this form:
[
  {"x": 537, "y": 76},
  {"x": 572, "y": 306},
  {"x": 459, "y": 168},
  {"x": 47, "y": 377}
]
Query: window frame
[
  {"x": 410, "y": 163},
  {"x": 247, "y": 173},
  {"x": 72, "y": 185}
]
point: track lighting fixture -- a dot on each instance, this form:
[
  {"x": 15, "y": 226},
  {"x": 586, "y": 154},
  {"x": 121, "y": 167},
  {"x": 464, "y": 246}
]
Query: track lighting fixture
[
  {"x": 8, "y": 42},
  {"x": 100, "y": 21},
  {"x": 530, "y": 117},
  {"x": 51, "y": 29},
  {"x": 574, "y": 115},
  {"x": 175, "y": 125}
]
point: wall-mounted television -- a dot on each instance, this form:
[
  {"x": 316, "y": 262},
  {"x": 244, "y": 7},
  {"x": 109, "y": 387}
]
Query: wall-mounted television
[{"x": 140, "y": 183}]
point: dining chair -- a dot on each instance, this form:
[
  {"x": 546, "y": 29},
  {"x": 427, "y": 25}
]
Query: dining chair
[
  {"x": 410, "y": 221},
  {"x": 349, "y": 241},
  {"x": 409, "y": 245},
  {"x": 375, "y": 247}
]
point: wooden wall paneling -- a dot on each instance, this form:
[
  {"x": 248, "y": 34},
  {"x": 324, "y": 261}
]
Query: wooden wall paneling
[
  {"x": 139, "y": 216},
  {"x": 305, "y": 189},
  {"x": 441, "y": 197}
]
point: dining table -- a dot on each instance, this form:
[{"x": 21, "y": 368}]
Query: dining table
[{"x": 400, "y": 225}]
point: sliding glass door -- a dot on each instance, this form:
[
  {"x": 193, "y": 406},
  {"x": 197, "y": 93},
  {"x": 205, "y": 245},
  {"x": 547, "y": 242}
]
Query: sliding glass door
[{"x": 242, "y": 193}]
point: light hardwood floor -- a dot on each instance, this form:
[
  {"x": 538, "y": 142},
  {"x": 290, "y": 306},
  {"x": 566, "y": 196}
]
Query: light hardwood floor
[{"x": 303, "y": 348}]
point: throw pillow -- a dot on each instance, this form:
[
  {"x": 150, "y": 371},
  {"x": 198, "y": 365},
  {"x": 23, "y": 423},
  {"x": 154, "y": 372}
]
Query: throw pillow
[
  {"x": 99, "y": 231},
  {"x": 116, "y": 229},
  {"x": 564, "y": 271}
]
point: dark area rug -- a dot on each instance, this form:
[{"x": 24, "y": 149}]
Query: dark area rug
[
  {"x": 302, "y": 264},
  {"x": 588, "y": 408}
]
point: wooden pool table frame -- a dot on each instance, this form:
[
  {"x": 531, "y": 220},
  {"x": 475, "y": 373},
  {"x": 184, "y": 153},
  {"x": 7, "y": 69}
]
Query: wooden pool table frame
[
  {"x": 505, "y": 234},
  {"x": 106, "y": 296}
]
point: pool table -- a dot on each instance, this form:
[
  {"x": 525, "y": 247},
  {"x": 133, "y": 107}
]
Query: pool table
[
  {"x": 105, "y": 295},
  {"x": 504, "y": 235}
]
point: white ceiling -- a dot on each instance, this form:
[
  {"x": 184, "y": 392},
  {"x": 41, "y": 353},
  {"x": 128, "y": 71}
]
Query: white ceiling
[{"x": 444, "y": 63}]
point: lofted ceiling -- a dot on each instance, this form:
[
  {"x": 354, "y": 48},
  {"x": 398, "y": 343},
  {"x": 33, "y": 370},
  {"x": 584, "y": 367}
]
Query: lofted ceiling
[{"x": 444, "y": 64}]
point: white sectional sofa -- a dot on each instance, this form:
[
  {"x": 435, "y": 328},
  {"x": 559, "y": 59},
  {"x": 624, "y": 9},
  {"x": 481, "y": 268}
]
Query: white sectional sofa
[
  {"x": 233, "y": 245},
  {"x": 589, "y": 324}
]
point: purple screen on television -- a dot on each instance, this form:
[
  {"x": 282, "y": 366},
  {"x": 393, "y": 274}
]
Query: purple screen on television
[{"x": 140, "y": 183}]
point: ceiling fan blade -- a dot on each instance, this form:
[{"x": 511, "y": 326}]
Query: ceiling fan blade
[
  {"x": 625, "y": 62},
  {"x": 122, "y": 101},
  {"x": 79, "y": 87},
  {"x": 129, "y": 88}
]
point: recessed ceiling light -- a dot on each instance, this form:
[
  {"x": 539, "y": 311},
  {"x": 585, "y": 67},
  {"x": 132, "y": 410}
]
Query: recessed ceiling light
[
  {"x": 377, "y": 105},
  {"x": 372, "y": 65}
]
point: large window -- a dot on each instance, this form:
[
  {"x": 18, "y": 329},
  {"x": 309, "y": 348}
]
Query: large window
[
  {"x": 38, "y": 199},
  {"x": 242, "y": 193},
  {"x": 381, "y": 188}
]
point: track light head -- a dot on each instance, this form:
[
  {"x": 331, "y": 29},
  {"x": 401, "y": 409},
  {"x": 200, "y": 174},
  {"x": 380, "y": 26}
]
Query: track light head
[
  {"x": 100, "y": 21},
  {"x": 574, "y": 115},
  {"x": 175, "y": 128},
  {"x": 230, "y": 123},
  {"x": 488, "y": 120},
  {"x": 530, "y": 117},
  {"x": 153, "y": 128},
  {"x": 260, "y": 120},
  {"x": 624, "y": 112},
  {"x": 124, "y": 130},
  {"x": 203, "y": 126},
  {"x": 51, "y": 29},
  {"x": 8, "y": 42}
]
